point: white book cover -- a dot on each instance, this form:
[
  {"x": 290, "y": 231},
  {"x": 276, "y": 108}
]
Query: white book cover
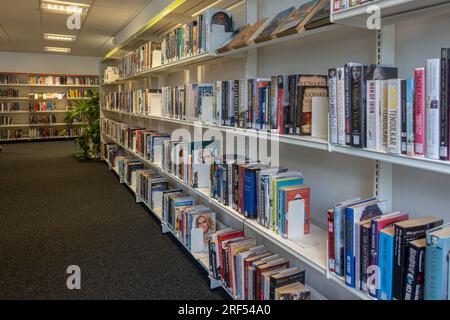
[
  {"x": 218, "y": 104},
  {"x": 394, "y": 116},
  {"x": 333, "y": 101},
  {"x": 295, "y": 219},
  {"x": 374, "y": 114},
  {"x": 156, "y": 58},
  {"x": 340, "y": 106},
  {"x": 433, "y": 78}
]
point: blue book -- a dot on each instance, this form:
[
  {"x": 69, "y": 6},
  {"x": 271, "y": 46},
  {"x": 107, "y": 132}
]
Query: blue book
[
  {"x": 436, "y": 271},
  {"x": 386, "y": 263},
  {"x": 250, "y": 193},
  {"x": 339, "y": 232},
  {"x": 353, "y": 215},
  {"x": 410, "y": 115},
  {"x": 262, "y": 107}
]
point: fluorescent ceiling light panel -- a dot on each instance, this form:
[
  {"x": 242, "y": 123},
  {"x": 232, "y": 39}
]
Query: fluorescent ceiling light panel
[
  {"x": 59, "y": 37},
  {"x": 57, "y": 49},
  {"x": 64, "y": 6}
]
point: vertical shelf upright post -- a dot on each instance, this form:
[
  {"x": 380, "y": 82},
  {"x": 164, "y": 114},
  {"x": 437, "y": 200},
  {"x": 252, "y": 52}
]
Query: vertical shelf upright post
[{"x": 383, "y": 170}]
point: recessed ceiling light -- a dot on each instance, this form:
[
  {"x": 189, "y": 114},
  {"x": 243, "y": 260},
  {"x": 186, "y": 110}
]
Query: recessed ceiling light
[
  {"x": 64, "y": 6},
  {"x": 57, "y": 49},
  {"x": 59, "y": 37}
]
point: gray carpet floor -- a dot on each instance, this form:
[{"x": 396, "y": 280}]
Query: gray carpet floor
[{"x": 57, "y": 211}]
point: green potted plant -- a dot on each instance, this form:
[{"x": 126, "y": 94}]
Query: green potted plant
[{"x": 88, "y": 111}]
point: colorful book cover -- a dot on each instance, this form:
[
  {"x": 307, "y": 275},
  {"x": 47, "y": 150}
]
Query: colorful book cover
[
  {"x": 410, "y": 117},
  {"x": 386, "y": 263},
  {"x": 293, "y": 212},
  {"x": 438, "y": 247},
  {"x": 414, "y": 284},
  {"x": 419, "y": 123},
  {"x": 331, "y": 256},
  {"x": 353, "y": 215},
  {"x": 276, "y": 185},
  {"x": 433, "y": 102},
  {"x": 378, "y": 224}
]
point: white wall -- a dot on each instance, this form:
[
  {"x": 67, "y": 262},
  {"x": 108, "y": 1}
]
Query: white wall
[{"x": 48, "y": 63}]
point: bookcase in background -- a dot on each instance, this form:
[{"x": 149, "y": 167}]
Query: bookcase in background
[
  {"x": 33, "y": 106},
  {"x": 413, "y": 185}
]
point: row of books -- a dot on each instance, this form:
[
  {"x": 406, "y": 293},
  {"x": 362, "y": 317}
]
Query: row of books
[
  {"x": 10, "y": 106},
  {"x": 251, "y": 272},
  {"x": 9, "y": 93},
  {"x": 47, "y": 95},
  {"x": 11, "y": 134},
  {"x": 6, "y": 120},
  {"x": 144, "y": 102},
  {"x": 311, "y": 14},
  {"x": 275, "y": 197},
  {"x": 247, "y": 270},
  {"x": 371, "y": 108},
  {"x": 43, "y": 119},
  {"x": 388, "y": 255},
  {"x": 77, "y": 93},
  {"x": 43, "y": 133},
  {"x": 51, "y": 80},
  {"x": 42, "y": 106},
  {"x": 204, "y": 34},
  {"x": 295, "y": 104},
  {"x": 339, "y": 5},
  {"x": 9, "y": 79}
]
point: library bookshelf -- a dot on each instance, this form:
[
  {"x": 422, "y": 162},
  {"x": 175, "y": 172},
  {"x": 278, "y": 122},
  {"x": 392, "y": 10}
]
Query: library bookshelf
[
  {"x": 34, "y": 105},
  {"x": 333, "y": 172}
]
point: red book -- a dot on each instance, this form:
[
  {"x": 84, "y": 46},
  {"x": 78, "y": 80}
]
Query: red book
[
  {"x": 223, "y": 237},
  {"x": 331, "y": 256},
  {"x": 271, "y": 265},
  {"x": 419, "y": 109},
  {"x": 280, "y": 105}
]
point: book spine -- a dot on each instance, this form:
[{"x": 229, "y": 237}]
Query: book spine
[
  {"x": 436, "y": 264},
  {"x": 372, "y": 112},
  {"x": 365, "y": 256},
  {"x": 419, "y": 111},
  {"x": 386, "y": 263},
  {"x": 399, "y": 264},
  {"x": 413, "y": 274},
  {"x": 357, "y": 106},
  {"x": 340, "y": 106},
  {"x": 403, "y": 117},
  {"x": 339, "y": 241},
  {"x": 348, "y": 104},
  {"x": 331, "y": 256},
  {"x": 332, "y": 113},
  {"x": 410, "y": 117},
  {"x": 394, "y": 117},
  {"x": 374, "y": 252},
  {"x": 432, "y": 108},
  {"x": 349, "y": 248},
  {"x": 444, "y": 111},
  {"x": 384, "y": 114}
]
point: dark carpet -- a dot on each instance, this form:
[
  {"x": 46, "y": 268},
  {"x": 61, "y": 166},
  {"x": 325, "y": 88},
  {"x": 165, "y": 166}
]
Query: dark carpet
[{"x": 57, "y": 211}]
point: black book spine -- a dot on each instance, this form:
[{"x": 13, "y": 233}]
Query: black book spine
[
  {"x": 412, "y": 273},
  {"x": 418, "y": 288},
  {"x": 292, "y": 103},
  {"x": 286, "y": 98},
  {"x": 357, "y": 105},
  {"x": 404, "y": 113},
  {"x": 250, "y": 104},
  {"x": 444, "y": 132},
  {"x": 398, "y": 272},
  {"x": 277, "y": 283},
  {"x": 235, "y": 119},
  {"x": 348, "y": 104}
]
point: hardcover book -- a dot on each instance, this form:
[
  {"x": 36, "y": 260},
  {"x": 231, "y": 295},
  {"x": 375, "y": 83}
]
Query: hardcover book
[
  {"x": 436, "y": 271},
  {"x": 405, "y": 232},
  {"x": 299, "y": 18},
  {"x": 278, "y": 20},
  {"x": 284, "y": 278}
]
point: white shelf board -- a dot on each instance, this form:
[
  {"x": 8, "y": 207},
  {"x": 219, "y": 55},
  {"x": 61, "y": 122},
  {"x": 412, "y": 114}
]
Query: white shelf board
[
  {"x": 17, "y": 85},
  {"x": 169, "y": 67},
  {"x": 392, "y": 11},
  {"x": 414, "y": 162},
  {"x": 303, "y": 141}
]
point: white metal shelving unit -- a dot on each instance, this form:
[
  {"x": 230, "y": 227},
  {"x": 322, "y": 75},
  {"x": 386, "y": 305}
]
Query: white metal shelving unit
[
  {"x": 21, "y": 118},
  {"x": 333, "y": 172}
]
